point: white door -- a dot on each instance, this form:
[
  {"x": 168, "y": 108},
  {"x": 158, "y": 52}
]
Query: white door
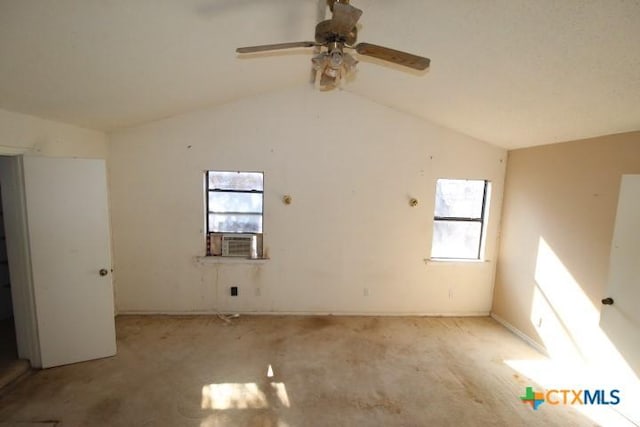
[
  {"x": 620, "y": 319},
  {"x": 68, "y": 223}
]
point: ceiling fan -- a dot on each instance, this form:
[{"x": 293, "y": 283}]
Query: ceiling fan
[{"x": 336, "y": 35}]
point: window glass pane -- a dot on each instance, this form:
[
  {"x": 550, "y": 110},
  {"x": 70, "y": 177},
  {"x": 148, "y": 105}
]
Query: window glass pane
[
  {"x": 235, "y": 202},
  {"x": 245, "y": 181},
  {"x": 456, "y": 239},
  {"x": 227, "y": 223},
  {"x": 459, "y": 198}
]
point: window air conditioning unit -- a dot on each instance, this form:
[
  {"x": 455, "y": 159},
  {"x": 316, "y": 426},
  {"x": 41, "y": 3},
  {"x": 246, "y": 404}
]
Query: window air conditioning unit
[{"x": 240, "y": 245}]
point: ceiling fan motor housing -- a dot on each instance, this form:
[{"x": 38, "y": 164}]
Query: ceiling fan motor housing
[
  {"x": 325, "y": 34},
  {"x": 332, "y": 2}
]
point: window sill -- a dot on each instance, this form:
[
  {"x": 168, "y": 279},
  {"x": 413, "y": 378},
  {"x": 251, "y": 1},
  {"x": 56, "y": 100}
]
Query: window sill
[
  {"x": 455, "y": 260},
  {"x": 230, "y": 260}
]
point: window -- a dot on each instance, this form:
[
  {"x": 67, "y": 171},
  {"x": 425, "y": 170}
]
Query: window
[
  {"x": 459, "y": 219},
  {"x": 234, "y": 206}
]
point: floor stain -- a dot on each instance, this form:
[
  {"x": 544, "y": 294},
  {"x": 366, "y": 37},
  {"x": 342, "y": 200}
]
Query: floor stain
[{"x": 327, "y": 370}]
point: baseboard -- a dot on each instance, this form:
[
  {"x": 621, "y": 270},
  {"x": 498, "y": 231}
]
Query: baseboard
[
  {"x": 298, "y": 313},
  {"x": 520, "y": 334}
]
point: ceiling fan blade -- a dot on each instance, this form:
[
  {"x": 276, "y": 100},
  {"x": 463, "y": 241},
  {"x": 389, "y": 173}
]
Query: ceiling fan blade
[
  {"x": 392, "y": 55},
  {"x": 344, "y": 18},
  {"x": 277, "y": 46}
]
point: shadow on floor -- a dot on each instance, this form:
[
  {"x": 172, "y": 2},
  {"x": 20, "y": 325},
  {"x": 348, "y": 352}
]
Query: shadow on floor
[{"x": 11, "y": 367}]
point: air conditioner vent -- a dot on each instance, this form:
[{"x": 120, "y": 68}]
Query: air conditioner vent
[{"x": 238, "y": 245}]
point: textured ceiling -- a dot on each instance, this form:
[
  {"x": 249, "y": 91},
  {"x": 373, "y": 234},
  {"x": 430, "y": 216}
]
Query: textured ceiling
[{"x": 511, "y": 72}]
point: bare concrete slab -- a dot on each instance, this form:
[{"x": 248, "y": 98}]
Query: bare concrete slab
[
  {"x": 12, "y": 370},
  {"x": 292, "y": 371}
]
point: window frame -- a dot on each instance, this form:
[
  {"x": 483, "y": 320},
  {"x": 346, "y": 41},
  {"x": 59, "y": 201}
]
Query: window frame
[
  {"x": 209, "y": 190},
  {"x": 481, "y": 220}
]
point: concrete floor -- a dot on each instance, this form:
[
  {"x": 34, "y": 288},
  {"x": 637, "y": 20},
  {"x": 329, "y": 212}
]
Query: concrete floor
[{"x": 327, "y": 371}]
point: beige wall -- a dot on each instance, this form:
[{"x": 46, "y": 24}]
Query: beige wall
[
  {"x": 558, "y": 215},
  {"x": 350, "y": 165}
]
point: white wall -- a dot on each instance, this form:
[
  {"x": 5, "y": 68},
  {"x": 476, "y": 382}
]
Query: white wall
[
  {"x": 350, "y": 165},
  {"x": 20, "y": 133}
]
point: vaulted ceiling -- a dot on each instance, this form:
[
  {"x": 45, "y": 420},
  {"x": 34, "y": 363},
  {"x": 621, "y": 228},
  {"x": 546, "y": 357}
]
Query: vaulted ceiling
[{"x": 511, "y": 72}]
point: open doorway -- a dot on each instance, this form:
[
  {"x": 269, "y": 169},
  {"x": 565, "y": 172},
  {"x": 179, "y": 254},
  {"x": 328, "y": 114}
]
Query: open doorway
[
  {"x": 8, "y": 347},
  {"x": 11, "y": 367}
]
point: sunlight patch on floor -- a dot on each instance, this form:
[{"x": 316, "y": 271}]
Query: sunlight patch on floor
[
  {"x": 233, "y": 396},
  {"x": 244, "y": 396},
  {"x": 218, "y": 421}
]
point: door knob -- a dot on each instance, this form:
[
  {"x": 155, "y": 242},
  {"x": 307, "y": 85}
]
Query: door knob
[
  {"x": 103, "y": 272},
  {"x": 607, "y": 301}
]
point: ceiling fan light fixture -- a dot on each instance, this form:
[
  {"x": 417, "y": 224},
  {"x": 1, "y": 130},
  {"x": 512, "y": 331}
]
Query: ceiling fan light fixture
[
  {"x": 334, "y": 67},
  {"x": 336, "y": 59},
  {"x": 349, "y": 63},
  {"x": 319, "y": 61},
  {"x": 327, "y": 82},
  {"x": 331, "y": 72}
]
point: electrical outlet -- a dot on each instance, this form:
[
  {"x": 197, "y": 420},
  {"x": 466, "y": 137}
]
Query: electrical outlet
[
  {"x": 365, "y": 292},
  {"x": 258, "y": 292}
]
